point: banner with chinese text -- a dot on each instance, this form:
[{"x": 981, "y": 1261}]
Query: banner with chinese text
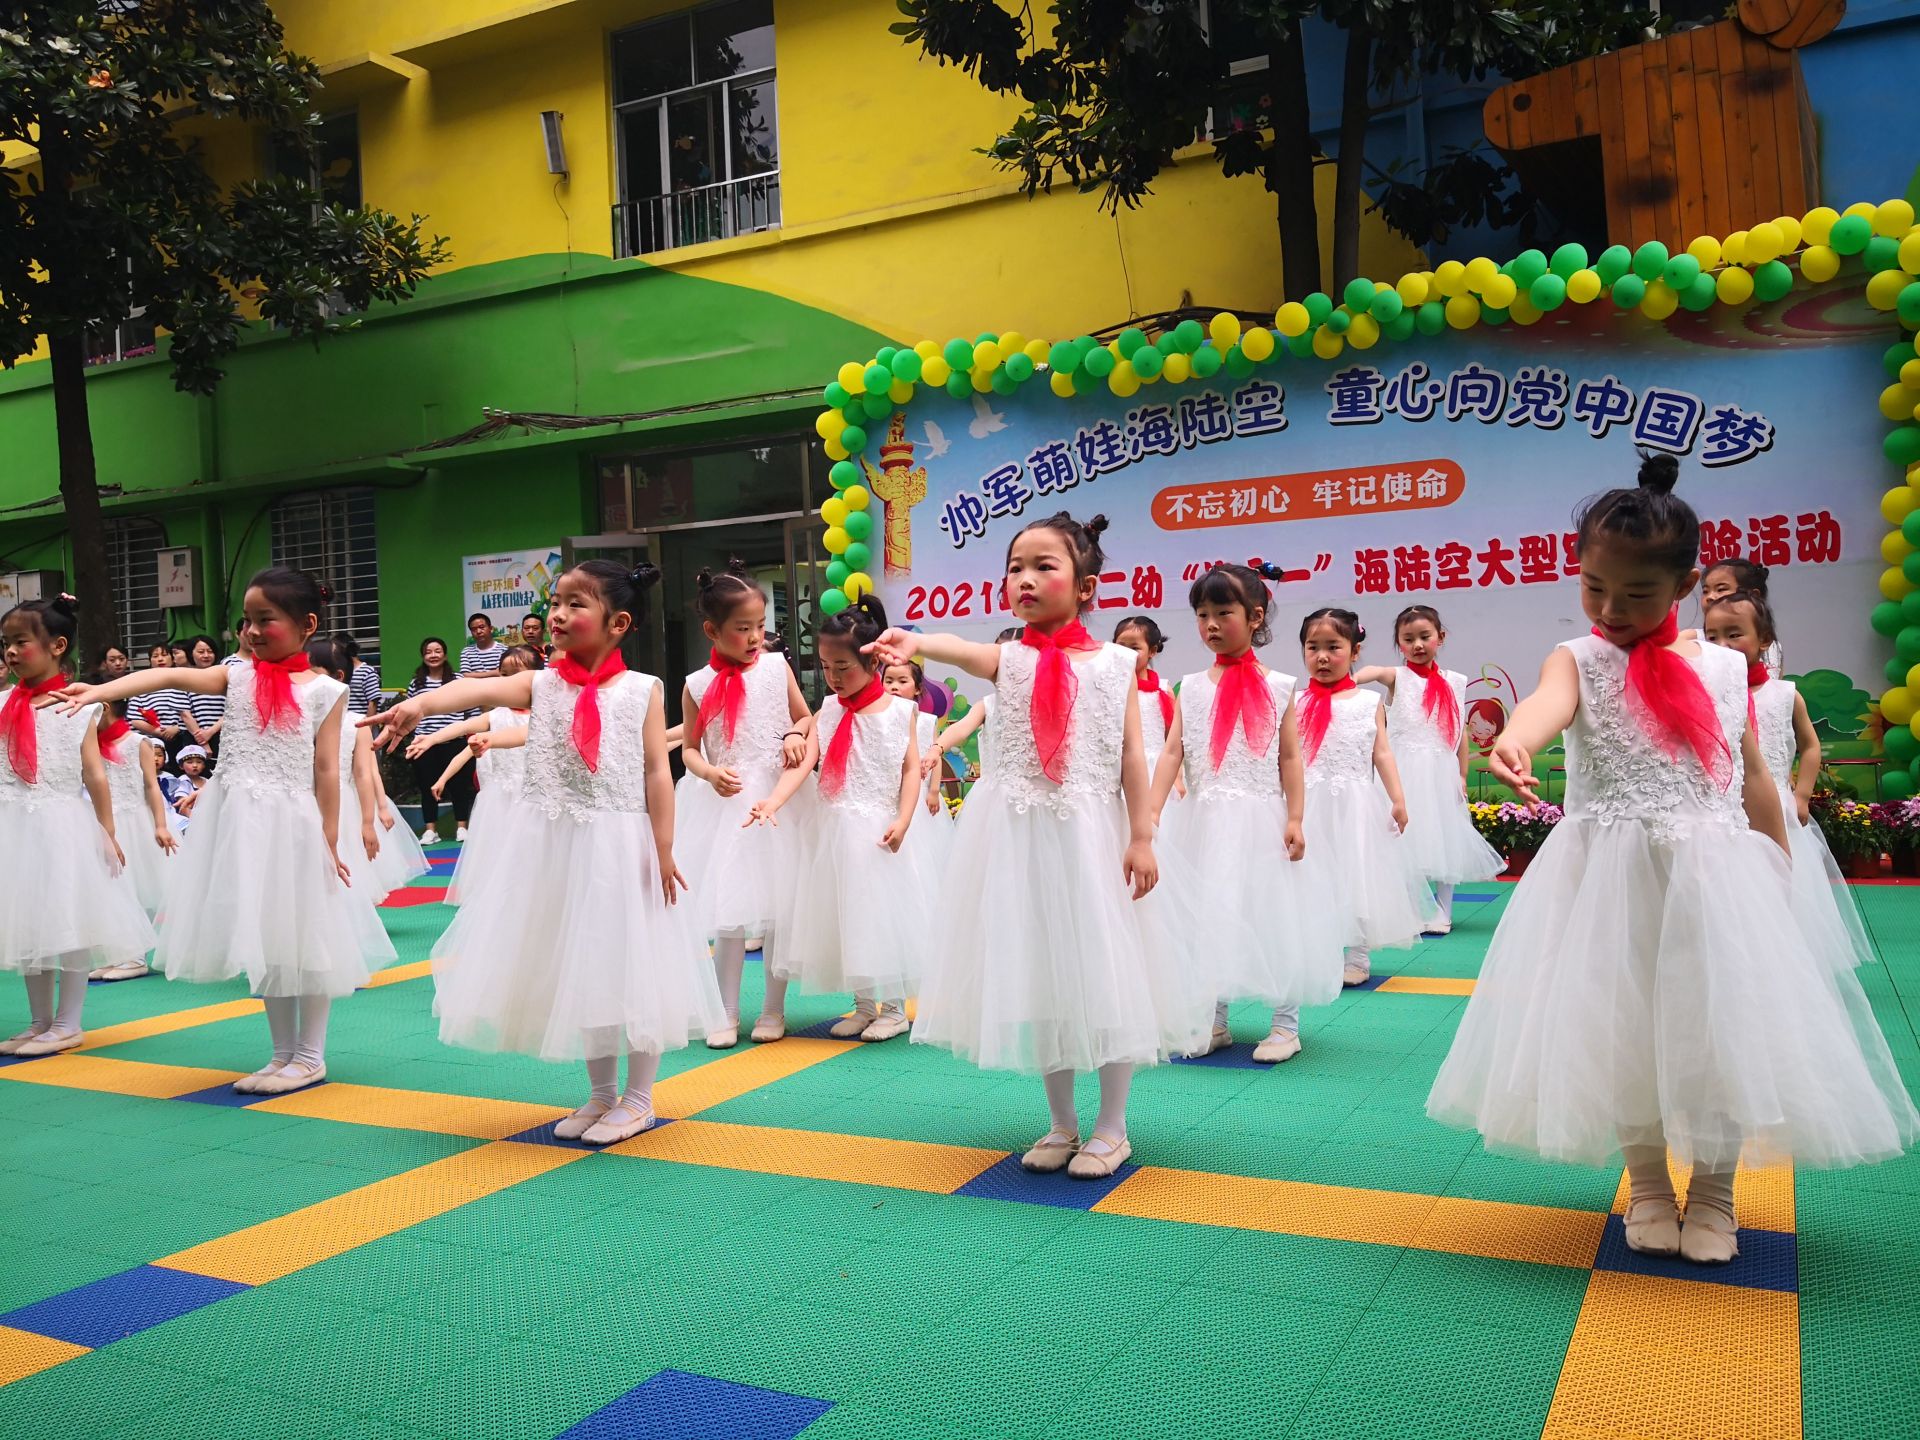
[{"x": 508, "y": 588}]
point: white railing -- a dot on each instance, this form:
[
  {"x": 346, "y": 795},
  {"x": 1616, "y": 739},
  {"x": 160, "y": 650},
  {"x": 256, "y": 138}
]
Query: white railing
[{"x": 696, "y": 215}]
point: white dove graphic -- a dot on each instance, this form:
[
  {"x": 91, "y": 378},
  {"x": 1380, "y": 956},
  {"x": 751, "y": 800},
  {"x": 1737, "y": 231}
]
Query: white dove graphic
[
  {"x": 986, "y": 420},
  {"x": 937, "y": 442}
]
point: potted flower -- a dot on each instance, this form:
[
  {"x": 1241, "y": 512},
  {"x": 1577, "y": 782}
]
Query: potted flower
[
  {"x": 1854, "y": 834},
  {"x": 1899, "y": 822},
  {"x": 1516, "y": 830}
]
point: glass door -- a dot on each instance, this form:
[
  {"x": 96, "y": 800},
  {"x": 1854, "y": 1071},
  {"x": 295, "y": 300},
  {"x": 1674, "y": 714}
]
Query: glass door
[{"x": 641, "y": 647}]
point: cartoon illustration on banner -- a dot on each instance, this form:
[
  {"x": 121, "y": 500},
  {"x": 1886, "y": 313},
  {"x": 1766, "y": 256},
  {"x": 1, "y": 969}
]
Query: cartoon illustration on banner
[{"x": 508, "y": 588}]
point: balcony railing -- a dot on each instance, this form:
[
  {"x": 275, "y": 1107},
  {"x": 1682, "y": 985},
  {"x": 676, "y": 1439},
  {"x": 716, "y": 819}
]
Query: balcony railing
[{"x": 696, "y": 215}]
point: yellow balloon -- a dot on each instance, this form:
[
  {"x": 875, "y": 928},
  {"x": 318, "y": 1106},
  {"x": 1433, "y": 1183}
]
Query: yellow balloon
[
  {"x": 1463, "y": 312},
  {"x": 837, "y": 451},
  {"x": 926, "y": 350},
  {"x": 856, "y": 497},
  {"x": 1292, "y": 319},
  {"x": 1894, "y": 584},
  {"x": 853, "y": 377},
  {"x": 857, "y": 584},
  {"x": 1764, "y": 242},
  {"x": 1913, "y": 679},
  {"x": 1451, "y": 278},
  {"x": 1363, "y": 332},
  {"x": 1060, "y": 383},
  {"x": 1256, "y": 343},
  {"x": 1898, "y": 503},
  {"x": 1412, "y": 288},
  {"x": 986, "y": 355},
  {"x": 1225, "y": 329},
  {"x": 1733, "y": 249},
  {"x": 982, "y": 381},
  {"x": 1896, "y": 401},
  {"x": 1706, "y": 250},
  {"x": 901, "y": 391},
  {"x": 1909, "y": 257},
  {"x": 1883, "y": 290},
  {"x": 1862, "y": 208},
  {"x": 1326, "y": 344},
  {"x": 834, "y": 511},
  {"x": 1175, "y": 368},
  {"x": 1734, "y": 286},
  {"x": 836, "y": 540},
  {"x": 1500, "y": 292},
  {"x": 1916, "y": 410},
  {"x": 1895, "y": 547},
  {"x": 1818, "y": 263},
  {"x": 1897, "y": 705},
  {"x": 1892, "y": 218},
  {"x": 1789, "y": 229},
  {"x": 1659, "y": 301},
  {"x": 1523, "y": 311},
  {"x": 935, "y": 370},
  {"x": 1124, "y": 380},
  {"x": 828, "y": 423},
  {"x": 1583, "y": 286},
  {"x": 1817, "y": 224},
  {"x": 1910, "y": 374},
  {"x": 1037, "y": 350},
  {"x": 1011, "y": 342},
  {"x": 1481, "y": 272}
]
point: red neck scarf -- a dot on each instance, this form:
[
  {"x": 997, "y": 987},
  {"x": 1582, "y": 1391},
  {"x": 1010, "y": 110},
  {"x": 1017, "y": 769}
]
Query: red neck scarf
[
  {"x": 1757, "y": 675},
  {"x": 833, "y": 765},
  {"x": 1667, "y": 699},
  {"x": 1316, "y": 713},
  {"x": 273, "y": 690},
  {"x": 1442, "y": 705},
  {"x": 586, "y": 705},
  {"x": 1054, "y": 686},
  {"x": 16, "y": 723},
  {"x": 1241, "y": 700},
  {"x": 1150, "y": 685},
  {"x": 725, "y": 696},
  {"x": 110, "y": 735}
]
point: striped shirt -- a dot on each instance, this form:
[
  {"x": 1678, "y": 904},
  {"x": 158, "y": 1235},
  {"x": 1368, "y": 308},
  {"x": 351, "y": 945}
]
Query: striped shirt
[
  {"x": 432, "y": 724},
  {"x": 363, "y": 688},
  {"x": 166, "y": 706},
  {"x": 475, "y": 661},
  {"x": 207, "y": 709}
]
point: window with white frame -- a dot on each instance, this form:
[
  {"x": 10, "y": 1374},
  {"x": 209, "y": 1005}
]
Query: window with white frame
[
  {"x": 133, "y": 572},
  {"x": 697, "y": 127},
  {"x": 330, "y": 535},
  {"x": 1245, "y": 101},
  {"x": 126, "y": 338}
]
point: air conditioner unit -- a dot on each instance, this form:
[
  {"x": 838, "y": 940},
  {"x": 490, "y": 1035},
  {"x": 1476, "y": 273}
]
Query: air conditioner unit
[
  {"x": 178, "y": 576},
  {"x": 18, "y": 585}
]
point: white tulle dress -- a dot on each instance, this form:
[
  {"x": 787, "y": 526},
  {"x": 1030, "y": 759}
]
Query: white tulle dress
[
  {"x": 502, "y": 774},
  {"x": 1353, "y": 849},
  {"x": 400, "y": 859},
  {"x": 1821, "y": 901},
  {"x": 930, "y": 841},
  {"x": 252, "y": 890},
  {"x": 146, "y": 868},
  {"x": 1270, "y": 936},
  {"x": 66, "y": 905},
  {"x": 1049, "y": 963},
  {"x": 859, "y": 916},
  {"x": 743, "y": 878},
  {"x": 1439, "y": 838},
  {"x": 1648, "y": 984},
  {"x": 585, "y": 958}
]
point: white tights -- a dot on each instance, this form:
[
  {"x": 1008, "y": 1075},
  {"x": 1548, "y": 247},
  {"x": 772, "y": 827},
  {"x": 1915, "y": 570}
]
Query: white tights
[
  {"x": 61, "y": 1019},
  {"x": 298, "y": 1025},
  {"x": 1443, "y": 894},
  {"x": 1115, "y": 1081},
  {"x": 729, "y": 964},
  {"x": 1649, "y": 1179},
  {"x": 1286, "y": 1018},
  {"x": 603, "y": 1073}
]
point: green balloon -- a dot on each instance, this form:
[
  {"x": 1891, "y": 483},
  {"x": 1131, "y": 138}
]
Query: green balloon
[
  {"x": 1398, "y": 328},
  {"x": 878, "y": 377},
  {"x": 1910, "y": 567},
  {"x": 1167, "y": 343},
  {"x": 1909, "y": 611},
  {"x": 1614, "y": 262},
  {"x": 1649, "y": 260},
  {"x": 1359, "y": 295},
  {"x": 858, "y": 524},
  {"x": 958, "y": 354},
  {"x": 1699, "y": 295},
  {"x": 1902, "y": 745},
  {"x": 858, "y": 554},
  {"x": 1131, "y": 339},
  {"x": 832, "y": 602},
  {"x": 1629, "y": 291},
  {"x": 1148, "y": 362},
  {"x": 1301, "y": 346},
  {"x": 837, "y": 572},
  {"x": 1772, "y": 280},
  {"x": 845, "y": 473},
  {"x": 885, "y": 355},
  {"x": 1238, "y": 365},
  {"x": 1908, "y": 306},
  {"x": 1099, "y": 363},
  {"x": 1548, "y": 292},
  {"x": 1086, "y": 345},
  {"x": 1003, "y": 381},
  {"x": 1493, "y": 315},
  {"x": 1430, "y": 318},
  {"x": 1206, "y": 362},
  {"x": 1882, "y": 252},
  {"x": 1387, "y": 307},
  {"x": 1850, "y": 234},
  {"x": 959, "y": 384},
  {"x": 1681, "y": 271},
  {"x": 1319, "y": 307},
  {"x": 1910, "y": 527},
  {"x": 1020, "y": 367},
  {"x": 905, "y": 366},
  {"x": 1902, "y": 445},
  {"x": 1896, "y": 785},
  {"x": 853, "y": 439},
  {"x": 1188, "y": 335},
  {"x": 1896, "y": 671},
  {"x": 1907, "y": 643},
  {"x": 1339, "y": 322},
  {"x": 1527, "y": 267},
  {"x": 985, "y": 337},
  {"x": 1063, "y": 356},
  {"x": 1568, "y": 260},
  {"x": 1894, "y": 359},
  {"x": 836, "y": 394},
  {"x": 1887, "y": 618}
]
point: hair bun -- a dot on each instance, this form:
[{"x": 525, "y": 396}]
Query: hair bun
[
  {"x": 326, "y": 592},
  {"x": 1097, "y": 526},
  {"x": 703, "y": 579},
  {"x": 65, "y": 602},
  {"x": 737, "y": 566},
  {"x": 1659, "y": 471},
  {"x": 1760, "y": 574},
  {"x": 644, "y": 574},
  {"x": 1267, "y": 570}
]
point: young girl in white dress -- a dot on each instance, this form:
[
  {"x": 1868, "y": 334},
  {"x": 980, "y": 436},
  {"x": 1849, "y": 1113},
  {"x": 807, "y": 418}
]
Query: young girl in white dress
[
  {"x": 931, "y": 837},
  {"x": 360, "y": 839},
  {"x": 141, "y": 819},
  {"x": 258, "y": 887},
  {"x": 1425, "y": 706},
  {"x": 1068, "y": 958},
  {"x": 1647, "y": 989},
  {"x": 1737, "y": 575},
  {"x": 67, "y": 910},
  {"x": 745, "y": 722},
  {"x": 858, "y": 914},
  {"x": 1356, "y": 810},
  {"x": 592, "y": 957},
  {"x": 1141, "y": 634},
  {"x": 1822, "y": 903},
  {"x": 496, "y": 748},
  {"x": 1239, "y": 830}
]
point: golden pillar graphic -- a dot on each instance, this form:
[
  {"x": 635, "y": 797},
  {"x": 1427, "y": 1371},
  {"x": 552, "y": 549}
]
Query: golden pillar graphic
[{"x": 901, "y": 488}]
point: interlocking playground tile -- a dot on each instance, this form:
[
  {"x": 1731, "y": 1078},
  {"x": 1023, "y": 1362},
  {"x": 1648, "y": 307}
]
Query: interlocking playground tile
[
  {"x": 674, "y": 1405},
  {"x": 119, "y": 1305}
]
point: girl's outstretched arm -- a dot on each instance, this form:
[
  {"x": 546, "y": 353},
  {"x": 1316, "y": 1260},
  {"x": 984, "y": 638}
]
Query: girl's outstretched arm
[
  {"x": 1382, "y": 675},
  {"x": 897, "y": 647},
  {"x": 952, "y": 738},
  {"x": 791, "y": 779},
  {"x": 210, "y": 681},
  {"x": 1536, "y": 720},
  {"x": 513, "y": 691}
]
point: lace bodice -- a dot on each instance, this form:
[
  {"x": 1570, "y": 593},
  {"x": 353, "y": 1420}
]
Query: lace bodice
[
  {"x": 764, "y": 720},
  {"x": 124, "y": 779},
  {"x": 984, "y": 738},
  {"x": 503, "y": 767},
  {"x": 1153, "y": 728},
  {"x": 1096, "y": 731},
  {"x": 1773, "y": 708},
  {"x": 278, "y": 761},
  {"x": 1345, "y": 756},
  {"x": 873, "y": 765},
  {"x": 1407, "y": 724},
  {"x": 1614, "y": 769},
  {"x": 59, "y": 738},
  {"x": 1241, "y": 771},
  {"x": 925, "y": 729},
  {"x": 557, "y": 779}
]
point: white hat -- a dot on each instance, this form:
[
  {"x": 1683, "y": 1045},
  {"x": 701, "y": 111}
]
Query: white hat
[{"x": 186, "y": 750}]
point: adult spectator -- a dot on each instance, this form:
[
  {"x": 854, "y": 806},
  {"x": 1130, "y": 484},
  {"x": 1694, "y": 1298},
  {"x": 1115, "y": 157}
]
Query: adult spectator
[
  {"x": 434, "y": 672},
  {"x": 484, "y": 655},
  {"x": 363, "y": 684}
]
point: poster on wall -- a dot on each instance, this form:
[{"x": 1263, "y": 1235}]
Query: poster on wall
[
  {"x": 1447, "y": 474},
  {"x": 507, "y": 588}
]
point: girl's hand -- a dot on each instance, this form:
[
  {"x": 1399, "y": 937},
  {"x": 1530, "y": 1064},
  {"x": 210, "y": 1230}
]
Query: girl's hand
[
  {"x": 418, "y": 746},
  {"x": 370, "y": 839},
  {"x": 896, "y": 833},
  {"x": 793, "y": 750},
  {"x": 75, "y": 698},
  {"x": 185, "y": 807},
  {"x": 929, "y": 762},
  {"x": 387, "y": 817},
  {"x": 346, "y": 876},
  {"x": 165, "y": 839},
  {"x": 933, "y": 802},
  {"x": 399, "y": 722},
  {"x": 439, "y": 789},
  {"x": 1513, "y": 767},
  {"x": 1141, "y": 869},
  {"x": 725, "y": 784},
  {"x": 479, "y": 744},
  {"x": 1800, "y": 808},
  {"x": 1400, "y": 816},
  {"x": 119, "y": 855},
  {"x": 1296, "y": 841},
  {"x": 672, "y": 883},
  {"x": 894, "y": 647},
  {"x": 762, "y": 814}
]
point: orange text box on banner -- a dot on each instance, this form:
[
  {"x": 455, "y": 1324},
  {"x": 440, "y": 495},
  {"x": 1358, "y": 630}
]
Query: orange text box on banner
[{"x": 1311, "y": 495}]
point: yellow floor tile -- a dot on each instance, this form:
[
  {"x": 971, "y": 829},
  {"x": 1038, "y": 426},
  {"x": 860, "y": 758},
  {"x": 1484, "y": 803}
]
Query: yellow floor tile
[
  {"x": 1502, "y": 1231},
  {"x": 166, "y": 1024},
  {"x": 1762, "y": 1199},
  {"x": 854, "y": 1159},
  {"x": 274, "y": 1248},
  {"x": 76, "y": 1071},
  {"x": 1287, "y": 1207},
  {"x": 728, "y": 1078},
  {"x": 22, "y": 1353},
  {"x": 426, "y": 1110},
  {"x": 394, "y": 974},
  {"x": 1425, "y": 985}
]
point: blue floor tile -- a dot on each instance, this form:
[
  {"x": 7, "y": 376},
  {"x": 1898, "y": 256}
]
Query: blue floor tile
[
  {"x": 674, "y": 1405},
  {"x": 1768, "y": 1260},
  {"x": 1005, "y": 1180},
  {"x": 119, "y": 1305}
]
